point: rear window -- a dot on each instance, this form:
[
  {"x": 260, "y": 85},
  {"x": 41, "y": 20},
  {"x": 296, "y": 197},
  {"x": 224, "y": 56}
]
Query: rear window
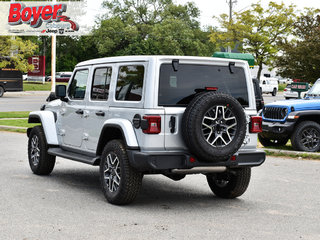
[{"x": 179, "y": 87}]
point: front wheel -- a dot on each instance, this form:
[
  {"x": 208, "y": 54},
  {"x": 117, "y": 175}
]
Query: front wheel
[
  {"x": 230, "y": 184},
  {"x": 119, "y": 181},
  {"x": 274, "y": 92},
  {"x": 41, "y": 163},
  {"x": 1, "y": 91},
  {"x": 306, "y": 137}
]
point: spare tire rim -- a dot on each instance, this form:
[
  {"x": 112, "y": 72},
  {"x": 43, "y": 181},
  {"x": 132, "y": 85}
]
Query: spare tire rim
[
  {"x": 112, "y": 172},
  {"x": 219, "y": 126},
  {"x": 35, "y": 150}
]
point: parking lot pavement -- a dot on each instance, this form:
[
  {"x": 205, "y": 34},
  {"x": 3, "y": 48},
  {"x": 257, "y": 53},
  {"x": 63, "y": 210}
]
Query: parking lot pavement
[
  {"x": 23, "y": 101},
  {"x": 282, "y": 202},
  {"x": 268, "y": 98}
]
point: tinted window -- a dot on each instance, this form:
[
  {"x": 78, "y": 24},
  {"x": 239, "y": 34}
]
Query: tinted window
[
  {"x": 130, "y": 83},
  {"x": 77, "y": 88},
  {"x": 101, "y": 83},
  {"x": 179, "y": 87},
  {"x": 9, "y": 73}
]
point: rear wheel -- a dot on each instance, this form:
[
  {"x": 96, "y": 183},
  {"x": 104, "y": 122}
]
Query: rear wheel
[
  {"x": 272, "y": 142},
  {"x": 119, "y": 181},
  {"x": 1, "y": 91},
  {"x": 274, "y": 92},
  {"x": 306, "y": 137},
  {"x": 41, "y": 163},
  {"x": 230, "y": 184}
]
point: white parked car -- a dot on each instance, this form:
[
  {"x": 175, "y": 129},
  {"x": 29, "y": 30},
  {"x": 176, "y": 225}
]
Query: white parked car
[
  {"x": 288, "y": 94},
  {"x": 269, "y": 85}
]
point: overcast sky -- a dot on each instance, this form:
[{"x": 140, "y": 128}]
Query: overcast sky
[{"x": 211, "y": 8}]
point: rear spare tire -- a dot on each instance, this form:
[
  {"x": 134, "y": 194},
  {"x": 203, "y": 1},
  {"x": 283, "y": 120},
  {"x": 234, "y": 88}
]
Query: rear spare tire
[{"x": 214, "y": 126}]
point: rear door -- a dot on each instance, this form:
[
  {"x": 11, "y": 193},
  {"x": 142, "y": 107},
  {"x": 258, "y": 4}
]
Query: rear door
[{"x": 97, "y": 107}]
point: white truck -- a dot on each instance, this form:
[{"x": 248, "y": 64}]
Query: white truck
[{"x": 269, "y": 85}]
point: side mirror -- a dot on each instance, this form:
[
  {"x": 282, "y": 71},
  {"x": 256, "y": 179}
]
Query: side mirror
[{"x": 61, "y": 92}]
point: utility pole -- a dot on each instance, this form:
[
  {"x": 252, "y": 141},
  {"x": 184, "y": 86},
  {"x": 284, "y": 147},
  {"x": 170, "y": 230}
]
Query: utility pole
[{"x": 230, "y": 3}]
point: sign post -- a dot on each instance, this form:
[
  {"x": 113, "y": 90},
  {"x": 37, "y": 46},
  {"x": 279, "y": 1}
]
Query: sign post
[{"x": 53, "y": 62}]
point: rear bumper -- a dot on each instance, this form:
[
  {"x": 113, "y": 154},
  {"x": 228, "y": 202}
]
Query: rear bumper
[{"x": 159, "y": 162}]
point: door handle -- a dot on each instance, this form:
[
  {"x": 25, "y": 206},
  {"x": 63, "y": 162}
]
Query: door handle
[
  {"x": 79, "y": 111},
  {"x": 100, "y": 113}
]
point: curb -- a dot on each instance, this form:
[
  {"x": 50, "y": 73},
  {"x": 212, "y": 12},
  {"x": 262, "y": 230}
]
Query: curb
[
  {"x": 12, "y": 127},
  {"x": 28, "y": 93},
  {"x": 288, "y": 152}
]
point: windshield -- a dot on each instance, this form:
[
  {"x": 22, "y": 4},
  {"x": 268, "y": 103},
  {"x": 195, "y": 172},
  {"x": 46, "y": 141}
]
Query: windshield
[
  {"x": 315, "y": 90},
  {"x": 179, "y": 87}
]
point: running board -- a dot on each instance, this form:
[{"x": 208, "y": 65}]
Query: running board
[{"x": 74, "y": 156}]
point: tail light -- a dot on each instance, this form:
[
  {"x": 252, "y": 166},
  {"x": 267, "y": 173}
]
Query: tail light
[
  {"x": 256, "y": 124},
  {"x": 285, "y": 90},
  {"x": 152, "y": 124}
]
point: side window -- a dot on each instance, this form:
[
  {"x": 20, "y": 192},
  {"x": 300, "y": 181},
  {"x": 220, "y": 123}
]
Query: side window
[
  {"x": 77, "y": 88},
  {"x": 101, "y": 83},
  {"x": 130, "y": 83}
]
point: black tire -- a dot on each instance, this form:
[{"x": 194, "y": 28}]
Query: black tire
[
  {"x": 41, "y": 163},
  {"x": 230, "y": 184},
  {"x": 274, "y": 92},
  {"x": 287, "y": 98},
  {"x": 214, "y": 140},
  {"x": 1, "y": 91},
  {"x": 272, "y": 142},
  {"x": 124, "y": 182},
  {"x": 306, "y": 137}
]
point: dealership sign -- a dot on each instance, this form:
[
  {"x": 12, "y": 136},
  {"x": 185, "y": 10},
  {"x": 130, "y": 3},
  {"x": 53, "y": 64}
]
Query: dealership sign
[{"x": 42, "y": 18}]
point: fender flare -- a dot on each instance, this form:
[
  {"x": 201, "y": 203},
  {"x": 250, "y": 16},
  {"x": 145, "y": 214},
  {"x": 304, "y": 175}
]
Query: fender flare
[
  {"x": 126, "y": 128},
  {"x": 47, "y": 120}
]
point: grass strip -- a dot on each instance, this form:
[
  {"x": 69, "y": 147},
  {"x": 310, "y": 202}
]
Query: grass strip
[
  {"x": 38, "y": 86},
  {"x": 281, "y": 87},
  {"x": 293, "y": 155},
  {"x": 17, "y": 123},
  {"x": 14, "y": 114}
]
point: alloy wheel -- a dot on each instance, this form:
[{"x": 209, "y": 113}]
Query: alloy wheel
[
  {"x": 112, "y": 173},
  {"x": 219, "y": 126},
  {"x": 35, "y": 150}
]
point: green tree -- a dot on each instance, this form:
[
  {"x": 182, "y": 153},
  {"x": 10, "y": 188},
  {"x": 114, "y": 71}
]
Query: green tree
[
  {"x": 258, "y": 30},
  {"x": 133, "y": 27},
  {"x": 15, "y": 52},
  {"x": 300, "y": 57}
]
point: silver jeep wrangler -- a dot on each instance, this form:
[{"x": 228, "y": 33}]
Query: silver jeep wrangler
[{"x": 137, "y": 115}]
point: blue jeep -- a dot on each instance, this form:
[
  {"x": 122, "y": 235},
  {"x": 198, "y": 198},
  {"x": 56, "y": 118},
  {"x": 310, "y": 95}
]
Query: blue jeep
[{"x": 298, "y": 120}]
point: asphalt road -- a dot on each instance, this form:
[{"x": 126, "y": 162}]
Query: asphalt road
[
  {"x": 33, "y": 101},
  {"x": 22, "y": 101},
  {"x": 282, "y": 202},
  {"x": 268, "y": 98}
]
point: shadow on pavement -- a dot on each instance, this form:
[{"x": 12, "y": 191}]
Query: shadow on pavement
[{"x": 156, "y": 190}]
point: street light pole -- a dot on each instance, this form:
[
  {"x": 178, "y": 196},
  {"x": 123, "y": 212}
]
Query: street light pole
[{"x": 230, "y": 3}]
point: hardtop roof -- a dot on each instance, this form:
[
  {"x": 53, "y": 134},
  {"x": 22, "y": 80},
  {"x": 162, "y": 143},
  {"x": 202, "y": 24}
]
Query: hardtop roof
[{"x": 145, "y": 58}]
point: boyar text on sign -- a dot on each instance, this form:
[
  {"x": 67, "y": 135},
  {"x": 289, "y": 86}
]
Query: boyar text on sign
[{"x": 35, "y": 16}]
